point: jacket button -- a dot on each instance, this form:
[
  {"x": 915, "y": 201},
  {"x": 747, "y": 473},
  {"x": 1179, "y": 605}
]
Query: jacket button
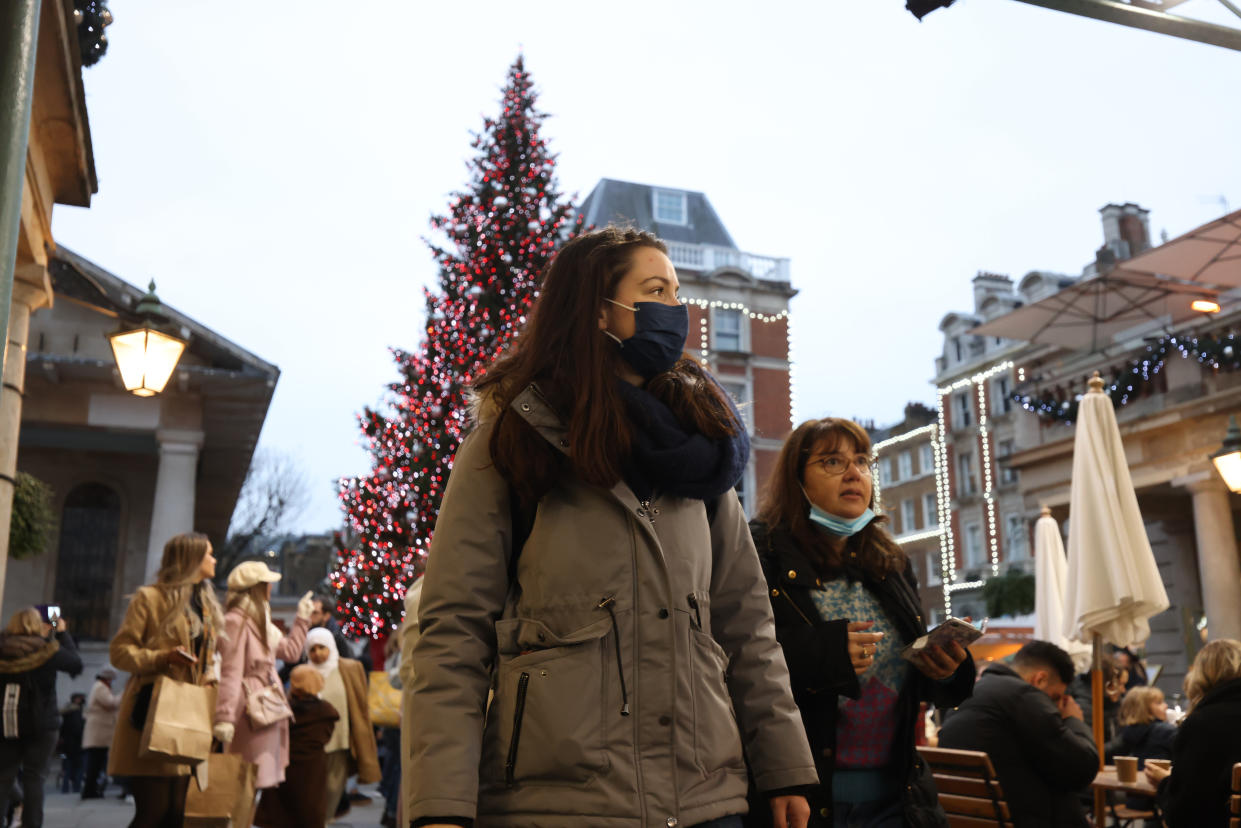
[
  {"x": 564, "y": 443},
  {"x": 792, "y": 573},
  {"x": 663, "y": 612},
  {"x": 775, "y": 593},
  {"x": 825, "y": 812},
  {"x": 672, "y": 822},
  {"x": 525, "y": 406},
  {"x": 665, "y": 720}
]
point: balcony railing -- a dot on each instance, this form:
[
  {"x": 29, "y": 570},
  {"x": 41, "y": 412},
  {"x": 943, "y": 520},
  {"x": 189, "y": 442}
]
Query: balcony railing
[{"x": 708, "y": 257}]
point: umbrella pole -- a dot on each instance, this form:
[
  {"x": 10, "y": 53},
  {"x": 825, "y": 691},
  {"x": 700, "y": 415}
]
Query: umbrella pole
[{"x": 1096, "y": 721}]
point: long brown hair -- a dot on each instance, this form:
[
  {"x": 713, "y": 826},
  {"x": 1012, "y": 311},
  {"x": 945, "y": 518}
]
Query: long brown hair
[
  {"x": 1216, "y": 663},
  {"x": 576, "y": 369},
  {"x": 179, "y": 580},
  {"x": 784, "y": 505},
  {"x": 253, "y": 602}
]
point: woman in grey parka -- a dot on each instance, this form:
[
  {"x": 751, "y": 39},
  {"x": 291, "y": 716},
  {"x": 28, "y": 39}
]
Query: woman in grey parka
[{"x": 592, "y": 568}]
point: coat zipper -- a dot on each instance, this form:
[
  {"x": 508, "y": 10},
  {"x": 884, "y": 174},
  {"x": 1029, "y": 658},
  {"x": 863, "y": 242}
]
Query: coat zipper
[
  {"x": 523, "y": 683},
  {"x": 606, "y": 603}
]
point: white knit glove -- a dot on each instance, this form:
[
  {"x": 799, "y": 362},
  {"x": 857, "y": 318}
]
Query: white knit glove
[
  {"x": 223, "y": 732},
  {"x": 306, "y": 606}
]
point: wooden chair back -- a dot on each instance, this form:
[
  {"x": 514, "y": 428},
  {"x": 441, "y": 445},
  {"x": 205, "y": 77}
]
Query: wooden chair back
[
  {"x": 969, "y": 791},
  {"x": 1234, "y": 800}
]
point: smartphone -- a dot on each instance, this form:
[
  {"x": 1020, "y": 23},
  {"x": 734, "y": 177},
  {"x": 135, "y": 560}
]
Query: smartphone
[
  {"x": 187, "y": 655},
  {"x": 954, "y": 629},
  {"x": 53, "y": 614}
]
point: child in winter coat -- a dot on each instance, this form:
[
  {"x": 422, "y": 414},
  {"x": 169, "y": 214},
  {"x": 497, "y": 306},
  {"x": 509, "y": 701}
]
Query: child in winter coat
[{"x": 301, "y": 799}]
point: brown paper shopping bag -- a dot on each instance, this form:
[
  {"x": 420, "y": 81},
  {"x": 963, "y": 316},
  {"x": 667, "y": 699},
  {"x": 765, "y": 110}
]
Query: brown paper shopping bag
[
  {"x": 178, "y": 724},
  {"x": 228, "y": 799}
]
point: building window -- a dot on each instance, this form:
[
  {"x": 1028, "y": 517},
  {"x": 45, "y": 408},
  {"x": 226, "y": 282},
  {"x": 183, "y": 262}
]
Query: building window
[
  {"x": 933, "y": 576},
  {"x": 1015, "y": 546},
  {"x": 1001, "y": 393},
  {"x": 926, "y": 459},
  {"x": 90, "y": 532},
  {"x": 885, "y": 471},
  {"x": 973, "y": 546},
  {"x": 909, "y": 521},
  {"x": 965, "y": 473},
  {"x": 1007, "y": 475},
  {"x": 930, "y": 511},
  {"x": 905, "y": 465},
  {"x": 670, "y": 207},
  {"x": 965, "y": 410},
  {"x": 740, "y": 392},
  {"x": 727, "y": 329},
  {"x": 956, "y": 344}
]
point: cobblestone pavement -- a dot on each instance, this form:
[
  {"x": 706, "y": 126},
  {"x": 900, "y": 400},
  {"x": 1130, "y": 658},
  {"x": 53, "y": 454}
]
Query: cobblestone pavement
[{"x": 69, "y": 811}]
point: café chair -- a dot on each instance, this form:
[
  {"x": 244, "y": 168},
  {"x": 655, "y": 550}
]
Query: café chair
[
  {"x": 969, "y": 791},
  {"x": 1234, "y": 801}
]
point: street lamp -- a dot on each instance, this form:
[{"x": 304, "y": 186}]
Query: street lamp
[
  {"x": 145, "y": 353},
  {"x": 1228, "y": 459}
]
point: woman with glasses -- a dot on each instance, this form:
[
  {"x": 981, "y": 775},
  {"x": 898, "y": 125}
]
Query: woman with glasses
[{"x": 846, "y": 602}]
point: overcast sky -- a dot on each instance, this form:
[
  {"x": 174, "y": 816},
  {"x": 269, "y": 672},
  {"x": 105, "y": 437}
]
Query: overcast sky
[{"x": 273, "y": 165}]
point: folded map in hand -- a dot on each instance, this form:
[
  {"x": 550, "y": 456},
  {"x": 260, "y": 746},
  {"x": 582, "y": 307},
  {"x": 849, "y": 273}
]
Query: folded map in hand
[{"x": 954, "y": 629}]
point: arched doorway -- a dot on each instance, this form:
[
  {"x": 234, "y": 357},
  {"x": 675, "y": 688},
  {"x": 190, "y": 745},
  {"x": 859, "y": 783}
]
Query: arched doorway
[{"x": 86, "y": 563}]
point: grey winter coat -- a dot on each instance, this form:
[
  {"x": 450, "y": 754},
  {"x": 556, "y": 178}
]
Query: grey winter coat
[{"x": 678, "y": 601}]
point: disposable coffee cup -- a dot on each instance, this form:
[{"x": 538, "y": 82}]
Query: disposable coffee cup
[
  {"x": 1166, "y": 764},
  {"x": 1126, "y": 769}
]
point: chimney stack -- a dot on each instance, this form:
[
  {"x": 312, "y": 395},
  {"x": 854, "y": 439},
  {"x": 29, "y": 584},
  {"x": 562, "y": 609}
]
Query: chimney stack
[{"x": 1126, "y": 231}]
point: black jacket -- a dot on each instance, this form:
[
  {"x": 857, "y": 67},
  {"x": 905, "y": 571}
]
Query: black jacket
[
  {"x": 820, "y": 672},
  {"x": 1152, "y": 740},
  {"x": 1044, "y": 762},
  {"x": 1207, "y": 745},
  {"x": 42, "y": 658}
]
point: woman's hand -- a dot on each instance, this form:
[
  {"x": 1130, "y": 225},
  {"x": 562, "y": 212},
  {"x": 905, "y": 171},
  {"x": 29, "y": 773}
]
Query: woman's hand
[
  {"x": 306, "y": 606},
  {"x": 1156, "y": 773},
  {"x": 223, "y": 732},
  {"x": 862, "y": 645},
  {"x": 938, "y": 663},
  {"x": 790, "y": 811}
]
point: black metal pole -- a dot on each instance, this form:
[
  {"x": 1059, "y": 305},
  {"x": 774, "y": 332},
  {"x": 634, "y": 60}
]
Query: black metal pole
[
  {"x": 19, "y": 32},
  {"x": 1148, "y": 19}
]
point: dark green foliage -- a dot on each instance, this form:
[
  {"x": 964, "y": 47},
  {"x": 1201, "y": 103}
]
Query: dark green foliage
[
  {"x": 33, "y": 518},
  {"x": 1009, "y": 594}
]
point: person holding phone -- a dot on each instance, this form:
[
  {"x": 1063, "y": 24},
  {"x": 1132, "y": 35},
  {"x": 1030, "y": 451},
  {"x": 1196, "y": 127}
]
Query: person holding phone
[
  {"x": 845, "y": 600},
  {"x": 169, "y": 626},
  {"x": 32, "y": 652},
  {"x": 590, "y": 550}
]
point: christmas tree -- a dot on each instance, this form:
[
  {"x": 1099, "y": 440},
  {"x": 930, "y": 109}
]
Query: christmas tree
[{"x": 497, "y": 237}]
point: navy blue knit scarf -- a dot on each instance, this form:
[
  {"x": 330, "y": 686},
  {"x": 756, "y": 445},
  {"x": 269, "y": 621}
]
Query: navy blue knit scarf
[{"x": 668, "y": 459}]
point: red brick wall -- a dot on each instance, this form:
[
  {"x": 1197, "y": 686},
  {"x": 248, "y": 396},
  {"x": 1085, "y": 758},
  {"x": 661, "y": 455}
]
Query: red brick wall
[
  {"x": 769, "y": 339},
  {"x": 693, "y": 342},
  {"x": 764, "y": 462},
  {"x": 772, "y": 403}
]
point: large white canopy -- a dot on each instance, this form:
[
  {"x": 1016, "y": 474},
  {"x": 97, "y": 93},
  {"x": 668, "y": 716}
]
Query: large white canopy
[{"x": 1050, "y": 573}]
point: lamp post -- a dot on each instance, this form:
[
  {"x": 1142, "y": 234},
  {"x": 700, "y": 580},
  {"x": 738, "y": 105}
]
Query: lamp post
[
  {"x": 146, "y": 353},
  {"x": 1228, "y": 459}
]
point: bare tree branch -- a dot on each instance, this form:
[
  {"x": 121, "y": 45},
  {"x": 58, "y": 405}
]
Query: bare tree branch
[{"x": 275, "y": 493}]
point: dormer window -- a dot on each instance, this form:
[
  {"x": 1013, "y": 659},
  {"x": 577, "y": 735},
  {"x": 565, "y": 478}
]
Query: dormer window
[{"x": 670, "y": 207}]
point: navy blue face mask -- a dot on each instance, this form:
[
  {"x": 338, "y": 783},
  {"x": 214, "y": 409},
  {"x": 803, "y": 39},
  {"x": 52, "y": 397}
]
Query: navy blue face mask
[{"x": 658, "y": 338}]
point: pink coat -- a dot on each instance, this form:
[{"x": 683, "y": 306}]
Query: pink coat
[{"x": 246, "y": 665}]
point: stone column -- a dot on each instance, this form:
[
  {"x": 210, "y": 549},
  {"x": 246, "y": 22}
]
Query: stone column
[
  {"x": 11, "y": 391},
  {"x": 1218, "y": 566},
  {"x": 175, "y": 487}
]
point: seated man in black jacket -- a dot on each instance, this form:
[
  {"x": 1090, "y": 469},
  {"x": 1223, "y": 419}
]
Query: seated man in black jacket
[{"x": 1026, "y": 721}]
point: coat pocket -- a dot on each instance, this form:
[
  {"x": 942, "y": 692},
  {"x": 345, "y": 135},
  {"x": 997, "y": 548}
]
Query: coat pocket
[
  {"x": 717, "y": 742},
  {"x": 546, "y": 722}
]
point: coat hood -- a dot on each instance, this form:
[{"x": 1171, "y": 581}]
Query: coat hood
[{"x": 22, "y": 653}]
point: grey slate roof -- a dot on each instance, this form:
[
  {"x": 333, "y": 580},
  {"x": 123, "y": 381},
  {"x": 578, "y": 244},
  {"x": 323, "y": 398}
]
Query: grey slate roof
[{"x": 625, "y": 202}]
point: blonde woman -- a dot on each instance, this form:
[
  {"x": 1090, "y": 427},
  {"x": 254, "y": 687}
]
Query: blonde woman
[
  {"x": 170, "y": 626},
  {"x": 1194, "y": 794},
  {"x": 32, "y": 652},
  {"x": 248, "y": 653}
]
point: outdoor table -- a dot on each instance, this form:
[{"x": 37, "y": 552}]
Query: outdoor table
[{"x": 1106, "y": 781}]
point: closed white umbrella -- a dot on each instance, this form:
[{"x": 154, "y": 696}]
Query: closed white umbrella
[
  {"x": 1050, "y": 573},
  {"x": 1113, "y": 585}
]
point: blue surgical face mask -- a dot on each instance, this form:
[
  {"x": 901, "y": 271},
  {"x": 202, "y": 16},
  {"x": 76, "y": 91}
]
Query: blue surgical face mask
[
  {"x": 658, "y": 337},
  {"x": 837, "y": 525}
]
